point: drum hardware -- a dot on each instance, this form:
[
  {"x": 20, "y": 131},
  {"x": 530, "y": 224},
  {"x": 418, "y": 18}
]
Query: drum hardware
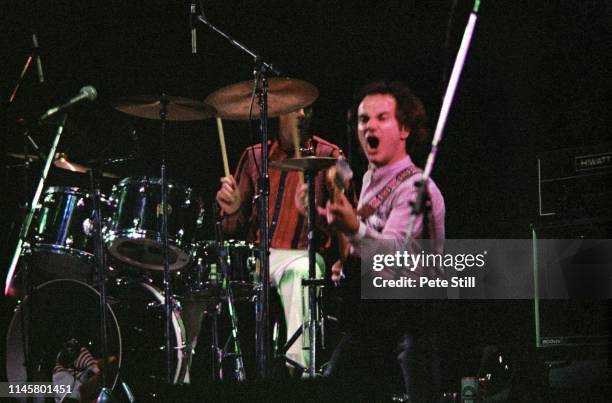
[
  {"x": 286, "y": 95},
  {"x": 260, "y": 88},
  {"x": 61, "y": 161},
  {"x": 101, "y": 265},
  {"x": 165, "y": 108},
  {"x": 309, "y": 166},
  {"x": 217, "y": 353},
  {"x": 239, "y": 372},
  {"x": 164, "y": 203}
]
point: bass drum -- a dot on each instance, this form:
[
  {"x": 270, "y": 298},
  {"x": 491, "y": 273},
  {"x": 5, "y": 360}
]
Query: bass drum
[{"x": 60, "y": 310}]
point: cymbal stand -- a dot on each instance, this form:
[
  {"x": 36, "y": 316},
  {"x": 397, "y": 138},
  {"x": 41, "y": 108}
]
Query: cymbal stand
[
  {"x": 163, "y": 111},
  {"x": 100, "y": 254},
  {"x": 217, "y": 353},
  {"x": 312, "y": 283},
  {"x": 262, "y": 302}
]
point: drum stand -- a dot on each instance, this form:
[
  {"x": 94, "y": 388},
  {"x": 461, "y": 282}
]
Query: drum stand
[
  {"x": 100, "y": 255},
  {"x": 218, "y": 354},
  {"x": 233, "y": 341},
  {"x": 312, "y": 284}
]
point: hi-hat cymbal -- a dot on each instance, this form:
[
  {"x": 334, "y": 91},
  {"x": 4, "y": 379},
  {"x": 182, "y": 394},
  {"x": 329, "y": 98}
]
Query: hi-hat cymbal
[
  {"x": 312, "y": 164},
  {"x": 61, "y": 161},
  {"x": 177, "y": 108},
  {"x": 284, "y": 95}
]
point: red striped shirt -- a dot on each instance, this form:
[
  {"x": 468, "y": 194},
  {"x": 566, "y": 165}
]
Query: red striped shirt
[{"x": 288, "y": 228}]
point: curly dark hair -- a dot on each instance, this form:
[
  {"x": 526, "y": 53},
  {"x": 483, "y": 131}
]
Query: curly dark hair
[{"x": 409, "y": 110}]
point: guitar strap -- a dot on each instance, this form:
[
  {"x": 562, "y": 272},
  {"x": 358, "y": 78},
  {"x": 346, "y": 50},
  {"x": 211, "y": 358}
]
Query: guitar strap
[
  {"x": 352, "y": 289},
  {"x": 370, "y": 207}
]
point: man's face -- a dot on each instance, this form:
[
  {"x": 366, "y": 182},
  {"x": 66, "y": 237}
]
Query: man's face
[{"x": 379, "y": 133}]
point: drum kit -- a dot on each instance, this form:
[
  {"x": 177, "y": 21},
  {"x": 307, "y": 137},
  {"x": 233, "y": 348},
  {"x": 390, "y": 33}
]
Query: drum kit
[
  {"x": 60, "y": 286},
  {"x": 87, "y": 266}
]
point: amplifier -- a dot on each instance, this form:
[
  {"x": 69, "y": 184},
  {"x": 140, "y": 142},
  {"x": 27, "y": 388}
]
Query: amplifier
[
  {"x": 583, "y": 319},
  {"x": 576, "y": 182}
]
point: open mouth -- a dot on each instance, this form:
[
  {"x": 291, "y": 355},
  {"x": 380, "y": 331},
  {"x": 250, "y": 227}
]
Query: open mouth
[{"x": 373, "y": 142}]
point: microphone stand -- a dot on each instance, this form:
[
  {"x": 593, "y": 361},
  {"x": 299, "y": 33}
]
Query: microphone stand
[
  {"x": 27, "y": 291},
  {"x": 25, "y": 226},
  {"x": 262, "y": 301},
  {"x": 29, "y": 59},
  {"x": 417, "y": 205}
]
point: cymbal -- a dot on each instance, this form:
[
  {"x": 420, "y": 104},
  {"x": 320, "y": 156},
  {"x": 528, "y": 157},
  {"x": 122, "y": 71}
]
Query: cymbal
[
  {"x": 61, "y": 161},
  {"x": 177, "y": 108},
  {"x": 284, "y": 95},
  {"x": 304, "y": 164}
]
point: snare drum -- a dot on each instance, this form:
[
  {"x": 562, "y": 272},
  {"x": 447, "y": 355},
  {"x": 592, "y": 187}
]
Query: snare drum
[
  {"x": 62, "y": 233},
  {"x": 135, "y": 235},
  {"x": 204, "y": 279},
  {"x": 61, "y": 310}
]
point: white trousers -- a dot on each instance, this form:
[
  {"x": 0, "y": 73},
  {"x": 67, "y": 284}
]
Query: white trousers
[{"x": 287, "y": 269}]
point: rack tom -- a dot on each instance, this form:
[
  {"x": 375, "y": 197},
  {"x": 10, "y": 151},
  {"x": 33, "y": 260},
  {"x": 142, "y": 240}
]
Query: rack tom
[
  {"x": 135, "y": 234},
  {"x": 62, "y": 239}
]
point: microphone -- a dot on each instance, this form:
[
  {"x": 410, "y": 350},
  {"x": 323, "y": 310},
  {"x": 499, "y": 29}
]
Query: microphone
[
  {"x": 86, "y": 93},
  {"x": 192, "y": 27},
  {"x": 39, "y": 70}
]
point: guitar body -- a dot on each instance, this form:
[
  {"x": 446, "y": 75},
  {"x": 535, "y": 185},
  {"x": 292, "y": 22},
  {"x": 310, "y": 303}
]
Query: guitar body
[{"x": 337, "y": 179}]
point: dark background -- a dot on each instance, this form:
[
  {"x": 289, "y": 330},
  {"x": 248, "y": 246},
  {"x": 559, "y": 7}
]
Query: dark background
[{"x": 537, "y": 78}]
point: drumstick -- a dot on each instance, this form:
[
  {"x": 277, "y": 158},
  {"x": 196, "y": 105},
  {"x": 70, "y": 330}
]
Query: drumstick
[
  {"x": 223, "y": 149},
  {"x": 296, "y": 145}
]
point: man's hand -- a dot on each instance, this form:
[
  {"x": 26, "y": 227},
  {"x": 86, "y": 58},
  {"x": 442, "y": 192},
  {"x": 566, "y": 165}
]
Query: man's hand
[
  {"x": 341, "y": 215},
  {"x": 301, "y": 199},
  {"x": 337, "y": 273},
  {"x": 229, "y": 197}
]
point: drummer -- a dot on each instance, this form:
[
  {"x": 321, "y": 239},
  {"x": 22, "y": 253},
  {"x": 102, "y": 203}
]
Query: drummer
[{"x": 288, "y": 229}]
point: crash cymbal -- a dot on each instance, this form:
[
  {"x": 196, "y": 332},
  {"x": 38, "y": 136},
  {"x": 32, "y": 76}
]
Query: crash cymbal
[
  {"x": 304, "y": 164},
  {"x": 284, "y": 95},
  {"x": 61, "y": 161},
  {"x": 177, "y": 108}
]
